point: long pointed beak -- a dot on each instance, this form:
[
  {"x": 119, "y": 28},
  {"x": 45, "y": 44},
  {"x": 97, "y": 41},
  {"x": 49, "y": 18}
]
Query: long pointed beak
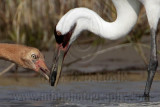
[
  {"x": 43, "y": 69},
  {"x": 57, "y": 67}
]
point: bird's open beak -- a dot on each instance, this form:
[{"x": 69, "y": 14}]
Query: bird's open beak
[
  {"x": 57, "y": 66},
  {"x": 43, "y": 69}
]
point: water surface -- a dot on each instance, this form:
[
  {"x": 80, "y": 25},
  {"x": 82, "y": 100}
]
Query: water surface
[{"x": 99, "y": 91}]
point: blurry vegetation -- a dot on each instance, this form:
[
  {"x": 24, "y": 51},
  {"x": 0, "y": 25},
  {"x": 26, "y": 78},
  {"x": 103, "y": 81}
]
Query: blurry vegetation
[{"x": 32, "y": 22}]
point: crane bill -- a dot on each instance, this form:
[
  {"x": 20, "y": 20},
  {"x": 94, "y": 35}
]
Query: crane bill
[
  {"x": 56, "y": 70},
  {"x": 43, "y": 69}
]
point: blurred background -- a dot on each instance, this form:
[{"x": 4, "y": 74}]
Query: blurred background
[
  {"x": 32, "y": 23},
  {"x": 96, "y": 70}
]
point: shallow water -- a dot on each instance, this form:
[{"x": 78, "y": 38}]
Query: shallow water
[{"x": 29, "y": 91}]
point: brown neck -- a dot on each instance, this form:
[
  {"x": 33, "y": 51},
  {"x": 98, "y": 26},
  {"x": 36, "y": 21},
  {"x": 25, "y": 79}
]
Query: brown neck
[{"x": 12, "y": 52}]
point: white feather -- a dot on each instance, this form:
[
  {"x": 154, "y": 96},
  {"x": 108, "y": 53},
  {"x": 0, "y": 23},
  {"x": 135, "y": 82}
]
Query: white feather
[{"x": 127, "y": 15}]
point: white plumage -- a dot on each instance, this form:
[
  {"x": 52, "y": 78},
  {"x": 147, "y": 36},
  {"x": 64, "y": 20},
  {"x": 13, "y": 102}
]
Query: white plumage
[{"x": 127, "y": 15}]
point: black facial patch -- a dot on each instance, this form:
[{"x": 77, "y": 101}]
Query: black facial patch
[
  {"x": 59, "y": 38},
  {"x": 64, "y": 39}
]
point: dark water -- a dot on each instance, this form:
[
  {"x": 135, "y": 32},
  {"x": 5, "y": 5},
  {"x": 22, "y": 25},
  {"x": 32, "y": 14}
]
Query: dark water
[{"x": 77, "y": 94}]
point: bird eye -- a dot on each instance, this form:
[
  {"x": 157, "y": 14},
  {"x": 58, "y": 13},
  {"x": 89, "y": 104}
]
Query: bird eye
[
  {"x": 59, "y": 33},
  {"x": 34, "y": 56}
]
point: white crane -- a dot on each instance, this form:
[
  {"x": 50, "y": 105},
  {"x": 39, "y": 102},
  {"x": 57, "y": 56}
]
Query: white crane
[{"x": 79, "y": 19}]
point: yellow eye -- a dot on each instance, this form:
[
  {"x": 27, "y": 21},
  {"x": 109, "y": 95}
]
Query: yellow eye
[{"x": 34, "y": 56}]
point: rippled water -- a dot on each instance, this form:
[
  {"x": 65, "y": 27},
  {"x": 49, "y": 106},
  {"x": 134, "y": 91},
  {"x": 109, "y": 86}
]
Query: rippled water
[{"x": 36, "y": 92}]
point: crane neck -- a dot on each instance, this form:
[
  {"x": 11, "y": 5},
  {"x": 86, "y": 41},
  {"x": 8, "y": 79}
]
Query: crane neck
[{"x": 86, "y": 19}]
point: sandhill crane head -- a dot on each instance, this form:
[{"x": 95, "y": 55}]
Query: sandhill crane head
[
  {"x": 27, "y": 57},
  {"x": 33, "y": 59}
]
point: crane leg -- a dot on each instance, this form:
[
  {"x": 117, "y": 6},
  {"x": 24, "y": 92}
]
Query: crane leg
[{"x": 152, "y": 67}]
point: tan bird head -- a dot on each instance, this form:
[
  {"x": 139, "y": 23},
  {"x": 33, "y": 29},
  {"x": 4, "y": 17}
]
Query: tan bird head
[
  {"x": 33, "y": 59},
  {"x": 27, "y": 57}
]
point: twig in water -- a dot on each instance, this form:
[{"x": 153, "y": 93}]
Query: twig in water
[
  {"x": 7, "y": 69},
  {"x": 108, "y": 49}
]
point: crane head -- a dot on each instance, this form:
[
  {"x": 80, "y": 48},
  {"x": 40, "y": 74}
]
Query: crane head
[
  {"x": 62, "y": 47},
  {"x": 33, "y": 59}
]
